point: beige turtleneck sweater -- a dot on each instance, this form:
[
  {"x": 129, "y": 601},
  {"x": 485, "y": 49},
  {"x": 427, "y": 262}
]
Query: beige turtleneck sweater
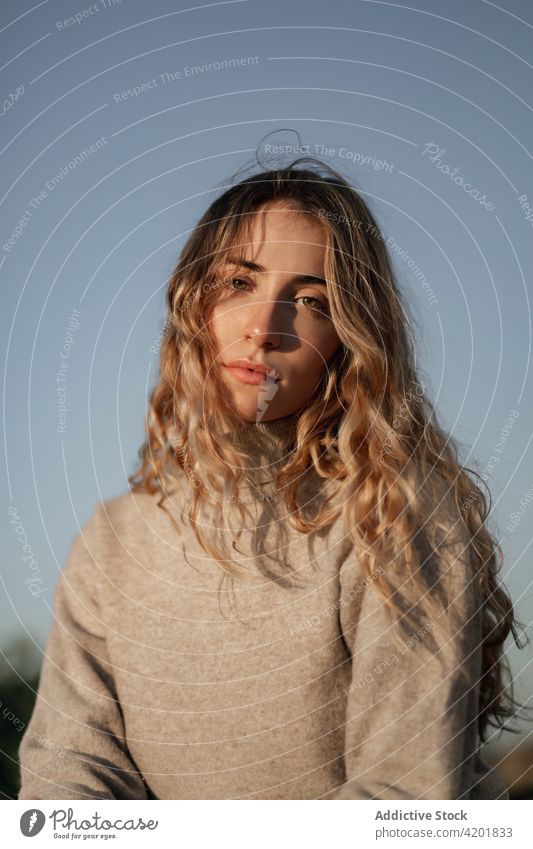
[{"x": 152, "y": 687}]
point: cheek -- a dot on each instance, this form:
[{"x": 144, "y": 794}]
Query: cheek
[
  {"x": 320, "y": 342},
  {"x": 219, "y": 324},
  {"x": 311, "y": 361}
]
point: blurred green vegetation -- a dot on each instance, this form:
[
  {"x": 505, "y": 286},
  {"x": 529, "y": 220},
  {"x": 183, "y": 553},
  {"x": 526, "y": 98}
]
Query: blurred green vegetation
[
  {"x": 19, "y": 676},
  {"x": 514, "y": 760}
]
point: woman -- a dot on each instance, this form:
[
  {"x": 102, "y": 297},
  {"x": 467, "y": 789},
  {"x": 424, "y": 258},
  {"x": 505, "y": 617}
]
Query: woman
[{"x": 298, "y": 597}]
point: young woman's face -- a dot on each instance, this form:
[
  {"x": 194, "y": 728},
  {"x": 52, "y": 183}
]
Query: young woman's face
[{"x": 274, "y": 312}]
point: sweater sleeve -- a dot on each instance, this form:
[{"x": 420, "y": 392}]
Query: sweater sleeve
[
  {"x": 74, "y": 746},
  {"x": 411, "y": 723}
]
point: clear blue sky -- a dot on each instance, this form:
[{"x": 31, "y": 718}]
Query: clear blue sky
[{"x": 403, "y": 100}]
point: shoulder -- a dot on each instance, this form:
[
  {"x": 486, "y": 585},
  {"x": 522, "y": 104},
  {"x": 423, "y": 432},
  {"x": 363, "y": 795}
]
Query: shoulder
[
  {"x": 121, "y": 512},
  {"x": 127, "y": 512},
  {"x": 119, "y": 527},
  {"x": 137, "y": 520},
  {"x": 122, "y": 538}
]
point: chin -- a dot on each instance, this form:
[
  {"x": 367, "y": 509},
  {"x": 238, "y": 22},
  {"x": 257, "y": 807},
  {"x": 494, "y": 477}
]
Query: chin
[{"x": 250, "y": 413}]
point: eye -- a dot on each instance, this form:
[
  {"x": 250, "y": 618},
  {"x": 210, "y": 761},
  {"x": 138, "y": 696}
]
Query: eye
[
  {"x": 320, "y": 306},
  {"x": 319, "y": 309},
  {"x": 231, "y": 280}
]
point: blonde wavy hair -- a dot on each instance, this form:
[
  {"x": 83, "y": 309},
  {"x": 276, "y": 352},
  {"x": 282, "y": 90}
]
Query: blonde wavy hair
[{"x": 369, "y": 427}]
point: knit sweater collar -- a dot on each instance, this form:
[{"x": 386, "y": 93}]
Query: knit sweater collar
[{"x": 267, "y": 442}]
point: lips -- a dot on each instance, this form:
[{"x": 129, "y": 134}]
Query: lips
[
  {"x": 260, "y": 367},
  {"x": 253, "y": 373}
]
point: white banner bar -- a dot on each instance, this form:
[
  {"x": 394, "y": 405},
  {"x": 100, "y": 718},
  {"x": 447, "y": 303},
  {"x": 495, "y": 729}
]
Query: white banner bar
[{"x": 262, "y": 824}]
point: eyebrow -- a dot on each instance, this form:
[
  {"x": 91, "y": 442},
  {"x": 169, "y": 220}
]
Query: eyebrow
[{"x": 253, "y": 266}]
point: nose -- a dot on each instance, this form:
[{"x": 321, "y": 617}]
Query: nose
[{"x": 261, "y": 324}]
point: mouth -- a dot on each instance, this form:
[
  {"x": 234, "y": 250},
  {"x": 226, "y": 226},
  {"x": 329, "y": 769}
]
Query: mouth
[{"x": 247, "y": 374}]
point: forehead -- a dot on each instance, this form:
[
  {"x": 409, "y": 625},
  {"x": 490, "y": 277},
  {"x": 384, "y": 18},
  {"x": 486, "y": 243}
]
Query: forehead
[
  {"x": 282, "y": 217},
  {"x": 280, "y": 232}
]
